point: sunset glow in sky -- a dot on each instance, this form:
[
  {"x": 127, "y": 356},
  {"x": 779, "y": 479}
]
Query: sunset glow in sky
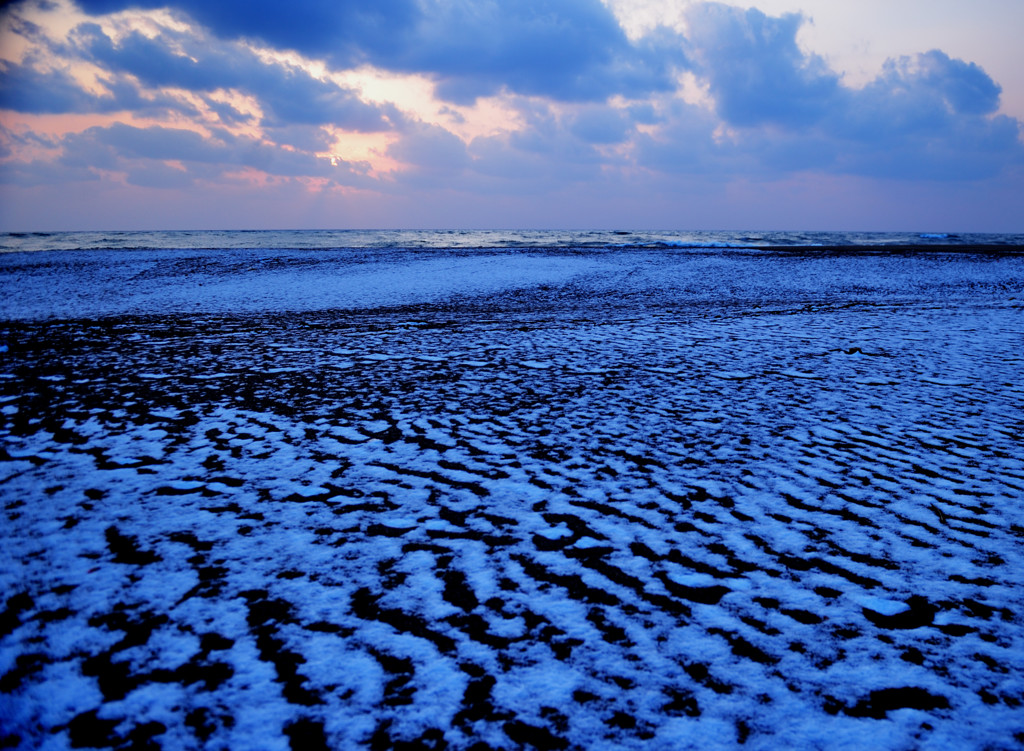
[{"x": 765, "y": 114}]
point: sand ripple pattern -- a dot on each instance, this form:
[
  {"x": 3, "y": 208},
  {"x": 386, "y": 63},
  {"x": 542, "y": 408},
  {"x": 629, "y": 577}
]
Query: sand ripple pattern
[{"x": 779, "y": 527}]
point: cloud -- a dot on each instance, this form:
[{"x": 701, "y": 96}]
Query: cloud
[
  {"x": 348, "y": 31},
  {"x": 586, "y": 110},
  {"x": 570, "y": 50},
  {"x": 159, "y": 176},
  {"x": 565, "y": 49},
  {"x": 684, "y": 144},
  {"x": 925, "y": 116},
  {"x": 602, "y": 125},
  {"x": 544, "y": 157},
  {"x": 226, "y": 112},
  {"x": 176, "y": 156},
  {"x": 29, "y": 89},
  {"x": 40, "y": 172},
  {"x": 927, "y": 91},
  {"x": 756, "y": 72},
  {"x": 965, "y": 87},
  {"x": 136, "y": 68},
  {"x": 156, "y": 142},
  {"x": 430, "y": 148},
  {"x": 289, "y": 95},
  {"x": 302, "y": 137},
  {"x": 25, "y": 88}
]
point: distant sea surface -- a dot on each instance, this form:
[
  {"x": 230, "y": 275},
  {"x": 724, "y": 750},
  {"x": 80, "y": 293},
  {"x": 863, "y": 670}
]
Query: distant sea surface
[{"x": 475, "y": 239}]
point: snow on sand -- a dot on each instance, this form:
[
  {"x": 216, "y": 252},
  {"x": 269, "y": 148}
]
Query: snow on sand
[{"x": 576, "y": 513}]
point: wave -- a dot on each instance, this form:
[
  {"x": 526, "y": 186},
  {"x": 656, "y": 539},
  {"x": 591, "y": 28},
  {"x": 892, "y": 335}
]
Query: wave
[{"x": 459, "y": 240}]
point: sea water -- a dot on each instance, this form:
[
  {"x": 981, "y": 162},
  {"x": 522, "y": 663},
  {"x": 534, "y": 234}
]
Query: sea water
[{"x": 470, "y": 239}]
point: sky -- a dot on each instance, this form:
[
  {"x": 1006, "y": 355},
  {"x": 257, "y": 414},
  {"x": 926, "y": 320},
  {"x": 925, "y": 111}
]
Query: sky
[{"x": 605, "y": 114}]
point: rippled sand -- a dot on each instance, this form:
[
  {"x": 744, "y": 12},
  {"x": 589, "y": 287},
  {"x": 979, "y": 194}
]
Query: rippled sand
[{"x": 583, "y": 513}]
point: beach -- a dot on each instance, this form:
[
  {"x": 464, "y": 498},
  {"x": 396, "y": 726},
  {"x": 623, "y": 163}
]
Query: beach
[{"x": 543, "y": 497}]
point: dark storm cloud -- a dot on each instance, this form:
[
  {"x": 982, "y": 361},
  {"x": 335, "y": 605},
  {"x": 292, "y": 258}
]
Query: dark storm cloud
[{"x": 564, "y": 49}]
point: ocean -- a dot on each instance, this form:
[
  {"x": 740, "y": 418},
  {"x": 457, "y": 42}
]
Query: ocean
[
  {"x": 332, "y": 490},
  {"x": 472, "y": 239}
]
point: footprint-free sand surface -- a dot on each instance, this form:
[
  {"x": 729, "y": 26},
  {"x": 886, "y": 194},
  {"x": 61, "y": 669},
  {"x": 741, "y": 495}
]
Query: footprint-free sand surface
[{"x": 611, "y": 508}]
